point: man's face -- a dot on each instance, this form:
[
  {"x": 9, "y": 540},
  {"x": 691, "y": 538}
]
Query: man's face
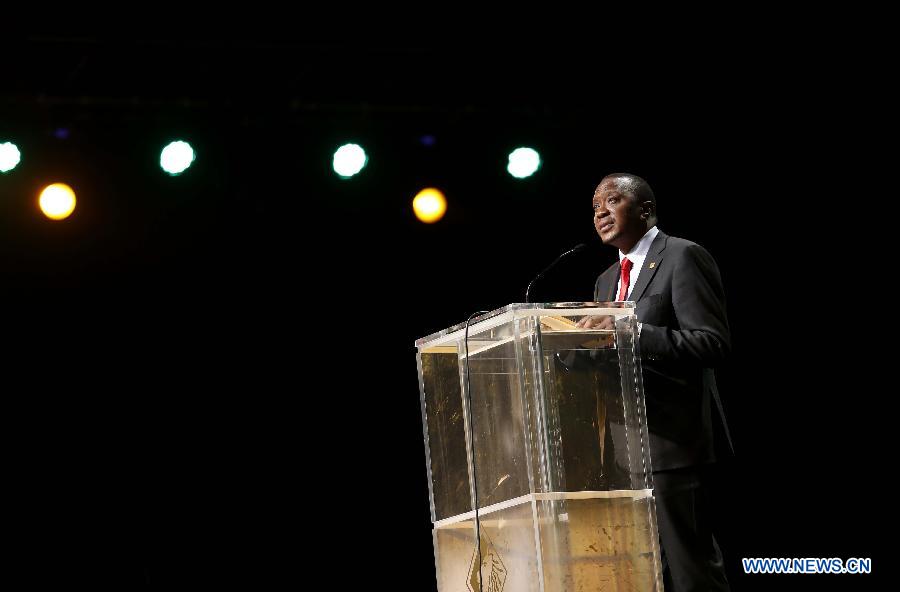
[{"x": 618, "y": 218}]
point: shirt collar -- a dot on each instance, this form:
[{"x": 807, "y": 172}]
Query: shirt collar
[{"x": 640, "y": 250}]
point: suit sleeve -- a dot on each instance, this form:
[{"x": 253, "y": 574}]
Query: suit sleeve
[{"x": 698, "y": 299}]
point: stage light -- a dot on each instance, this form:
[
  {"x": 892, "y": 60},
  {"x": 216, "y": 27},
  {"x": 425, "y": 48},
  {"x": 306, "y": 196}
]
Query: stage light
[
  {"x": 523, "y": 162},
  {"x": 429, "y": 205},
  {"x": 57, "y": 201},
  {"x": 176, "y": 157},
  {"x": 349, "y": 159},
  {"x": 9, "y": 156}
]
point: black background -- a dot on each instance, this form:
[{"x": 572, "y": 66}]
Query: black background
[{"x": 210, "y": 379}]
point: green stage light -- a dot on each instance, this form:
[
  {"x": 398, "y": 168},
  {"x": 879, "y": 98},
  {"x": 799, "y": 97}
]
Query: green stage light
[
  {"x": 523, "y": 162},
  {"x": 349, "y": 160},
  {"x": 9, "y": 156},
  {"x": 176, "y": 157}
]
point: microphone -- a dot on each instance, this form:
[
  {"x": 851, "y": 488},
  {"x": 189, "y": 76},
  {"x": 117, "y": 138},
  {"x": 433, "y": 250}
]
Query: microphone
[{"x": 576, "y": 249}]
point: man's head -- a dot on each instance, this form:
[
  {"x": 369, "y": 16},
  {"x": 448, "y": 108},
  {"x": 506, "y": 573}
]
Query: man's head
[{"x": 624, "y": 210}]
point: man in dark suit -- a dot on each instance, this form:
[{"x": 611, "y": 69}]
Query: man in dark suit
[{"x": 683, "y": 335}]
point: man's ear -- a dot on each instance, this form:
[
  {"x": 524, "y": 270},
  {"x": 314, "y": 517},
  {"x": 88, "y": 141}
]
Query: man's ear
[{"x": 648, "y": 210}]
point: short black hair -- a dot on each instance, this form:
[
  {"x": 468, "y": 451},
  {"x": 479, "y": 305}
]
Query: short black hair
[{"x": 633, "y": 184}]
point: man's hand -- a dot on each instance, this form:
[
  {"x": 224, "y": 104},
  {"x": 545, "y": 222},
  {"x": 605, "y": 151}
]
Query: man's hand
[{"x": 597, "y": 322}]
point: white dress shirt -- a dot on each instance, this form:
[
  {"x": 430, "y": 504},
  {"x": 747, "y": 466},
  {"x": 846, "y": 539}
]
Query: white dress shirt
[{"x": 636, "y": 256}]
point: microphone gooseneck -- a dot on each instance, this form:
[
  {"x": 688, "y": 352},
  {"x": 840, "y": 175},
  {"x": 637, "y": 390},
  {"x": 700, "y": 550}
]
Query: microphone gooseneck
[{"x": 575, "y": 249}]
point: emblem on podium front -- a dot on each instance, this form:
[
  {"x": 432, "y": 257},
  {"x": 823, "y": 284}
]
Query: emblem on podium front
[{"x": 492, "y": 569}]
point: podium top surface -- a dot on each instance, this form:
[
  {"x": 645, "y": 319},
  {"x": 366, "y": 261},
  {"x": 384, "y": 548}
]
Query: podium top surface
[{"x": 520, "y": 310}]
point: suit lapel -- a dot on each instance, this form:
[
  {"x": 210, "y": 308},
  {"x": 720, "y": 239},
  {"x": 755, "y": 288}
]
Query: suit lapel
[
  {"x": 611, "y": 296},
  {"x": 651, "y": 264},
  {"x": 606, "y": 284}
]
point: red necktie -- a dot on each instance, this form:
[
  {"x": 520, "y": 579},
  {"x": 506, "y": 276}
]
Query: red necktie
[{"x": 626, "y": 279}]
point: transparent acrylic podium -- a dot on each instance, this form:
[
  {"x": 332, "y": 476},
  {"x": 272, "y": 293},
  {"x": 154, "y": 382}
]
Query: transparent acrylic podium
[{"x": 547, "y": 423}]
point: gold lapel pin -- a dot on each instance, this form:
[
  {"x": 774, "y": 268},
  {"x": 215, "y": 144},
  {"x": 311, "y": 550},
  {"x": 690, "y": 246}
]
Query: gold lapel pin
[{"x": 652, "y": 264}]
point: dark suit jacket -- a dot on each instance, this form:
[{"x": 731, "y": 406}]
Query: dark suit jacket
[{"x": 684, "y": 335}]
